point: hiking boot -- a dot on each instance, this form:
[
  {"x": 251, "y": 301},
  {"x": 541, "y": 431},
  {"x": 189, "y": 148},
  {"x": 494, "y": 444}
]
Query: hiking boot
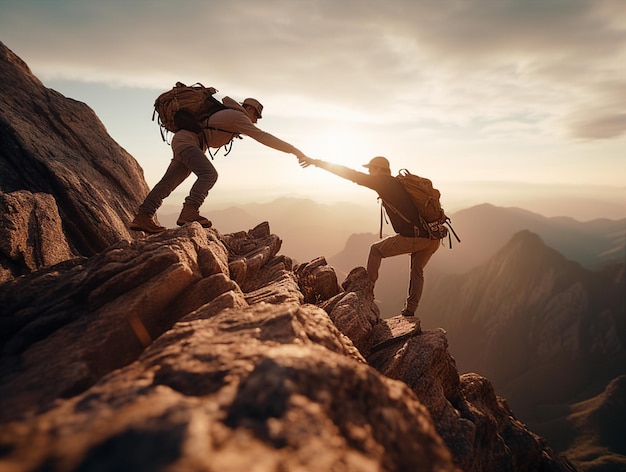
[
  {"x": 407, "y": 313},
  {"x": 190, "y": 214},
  {"x": 145, "y": 222}
]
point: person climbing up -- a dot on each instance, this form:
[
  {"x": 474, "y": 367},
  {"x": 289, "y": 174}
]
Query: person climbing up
[
  {"x": 189, "y": 150},
  {"x": 412, "y": 234}
]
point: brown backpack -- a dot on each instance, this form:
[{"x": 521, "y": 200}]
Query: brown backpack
[
  {"x": 424, "y": 195},
  {"x": 183, "y": 107},
  {"x": 427, "y": 201}
]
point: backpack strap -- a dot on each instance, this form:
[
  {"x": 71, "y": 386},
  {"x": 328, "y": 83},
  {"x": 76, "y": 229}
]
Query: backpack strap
[
  {"x": 430, "y": 227},
  {"x": 380, "y": 231},
  {"x": 382, "y": 215},
  {"x": 401, "y": 215}
]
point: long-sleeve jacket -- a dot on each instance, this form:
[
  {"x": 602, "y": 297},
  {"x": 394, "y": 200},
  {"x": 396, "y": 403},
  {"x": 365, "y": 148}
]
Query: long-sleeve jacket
[
  {"x": 391, "y": 192},
  {"x": 225, "y": 124}
]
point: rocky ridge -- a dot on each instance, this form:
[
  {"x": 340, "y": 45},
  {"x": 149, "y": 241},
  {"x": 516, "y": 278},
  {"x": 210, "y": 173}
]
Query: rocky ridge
[{"x": 201, "y": 346}]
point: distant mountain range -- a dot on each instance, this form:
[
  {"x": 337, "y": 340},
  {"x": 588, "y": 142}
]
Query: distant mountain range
[
  {"x": 484, "y": 229},
  {"x": 311, "y": 229},
  {"x": 308, "y": 229},
  {"x": 343, "y": 232}
]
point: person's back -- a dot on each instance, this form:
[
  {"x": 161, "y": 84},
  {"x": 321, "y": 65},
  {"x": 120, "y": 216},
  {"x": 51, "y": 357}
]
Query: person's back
[{"x": 395, "y": 198}]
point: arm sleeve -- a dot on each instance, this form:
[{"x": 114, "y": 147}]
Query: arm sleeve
[
  {"x": 355, "y": 176},
  {"x": 244, "y": 126}
]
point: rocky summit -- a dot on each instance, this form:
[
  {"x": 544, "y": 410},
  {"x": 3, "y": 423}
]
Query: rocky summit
[{"x": 194, "y": 350}]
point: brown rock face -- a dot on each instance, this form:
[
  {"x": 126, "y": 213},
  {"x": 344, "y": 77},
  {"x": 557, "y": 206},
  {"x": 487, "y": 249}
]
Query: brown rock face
[
  {"x": 55, "y": 146},
  {"x": 31, "y": 232}
]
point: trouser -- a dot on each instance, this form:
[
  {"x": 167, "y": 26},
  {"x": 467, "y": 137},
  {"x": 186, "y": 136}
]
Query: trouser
[
  {"x": 188, "y": 160},
  {"x": 421, "y": 250}
]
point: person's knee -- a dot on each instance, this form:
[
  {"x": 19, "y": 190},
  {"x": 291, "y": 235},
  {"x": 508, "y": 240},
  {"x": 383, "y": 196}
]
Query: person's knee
[
  {"x": 375, "y": 250},
  {"x": 208, "y": 174}
]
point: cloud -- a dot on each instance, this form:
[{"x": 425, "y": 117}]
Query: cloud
[
  {"x": 599, "y": 124},
  {"x": 398, "y": 61}
]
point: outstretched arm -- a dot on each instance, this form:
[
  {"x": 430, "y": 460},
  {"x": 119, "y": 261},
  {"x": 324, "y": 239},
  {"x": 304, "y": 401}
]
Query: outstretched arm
[
  {"x": 337, "y": 169},
  {"x": 238, "y": 122}
]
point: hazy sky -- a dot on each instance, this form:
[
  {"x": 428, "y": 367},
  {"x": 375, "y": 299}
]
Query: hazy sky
[{"x": 492, "y": 99}]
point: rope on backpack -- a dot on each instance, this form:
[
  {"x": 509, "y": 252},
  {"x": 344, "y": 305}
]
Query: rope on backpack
[{"x": 448, "y": 223}]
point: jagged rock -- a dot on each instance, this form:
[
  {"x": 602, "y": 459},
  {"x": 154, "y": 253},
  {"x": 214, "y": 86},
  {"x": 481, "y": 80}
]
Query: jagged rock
[
  {"x": 153, "y": 342},
  {"x": 475, "y": 424},
  {"x": 53, "y": 145},
  {"x": 317, "y": 281},
  {"x": 119, "y": 301},
  {"x": 31, "y": 234},
  {"x": 354, "y": 311},
  {"x": 478, "y": 427},
  {"x": 408, "y": 358},
  {"x": 254, "y": 266},
  {"x": 261, "y": 386},
  {"x": 77, "y": 325},
  {"x": 250, "y": 251}
]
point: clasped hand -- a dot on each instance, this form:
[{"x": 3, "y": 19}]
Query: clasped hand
[{"x": 305, "y": 161}]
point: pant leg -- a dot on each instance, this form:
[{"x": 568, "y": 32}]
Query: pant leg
[
  {"x": 197, "y": 162},
  {"x": 175, "y": 174},
  {"x": 388, "y": 247},
  {"x": 423, "y": 251}
]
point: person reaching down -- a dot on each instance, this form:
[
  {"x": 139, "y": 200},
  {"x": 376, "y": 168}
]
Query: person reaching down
[{"x": 189, "y": 150}]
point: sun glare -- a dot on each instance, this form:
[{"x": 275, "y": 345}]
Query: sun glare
[{"x": 342, "y": 144}]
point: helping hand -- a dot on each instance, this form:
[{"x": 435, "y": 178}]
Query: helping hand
[{"x": 305, "y": 161}]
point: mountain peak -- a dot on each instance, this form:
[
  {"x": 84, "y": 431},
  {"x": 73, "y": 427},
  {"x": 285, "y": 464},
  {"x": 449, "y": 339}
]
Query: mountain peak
[
  {"x": 526, "y": 254},
  {"x": 527, "y": 237},
  {"x": 10, "y": 58}
]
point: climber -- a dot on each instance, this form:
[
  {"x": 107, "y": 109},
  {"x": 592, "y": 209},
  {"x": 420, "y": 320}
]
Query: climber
[
  {"x": 189, "y": 156},
  {"x": 412, "y": 237}
]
